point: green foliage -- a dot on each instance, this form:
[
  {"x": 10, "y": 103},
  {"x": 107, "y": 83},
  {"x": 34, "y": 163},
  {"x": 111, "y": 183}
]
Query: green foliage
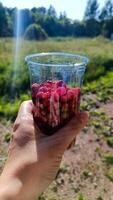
[
  {"x": 81, "y": 197},
  {"x": 87, "y": 174},
  {"x": 63, "y": 169},
  {"x": 108, "y": 158},
  {"x": 91, "y": 10},
  {"x": 9, "y": 109},
  {"x": 55, "y": 25},
  {"x": 41, "y": 198},
  {"x": 110, "y": 174},
  {"x": 7, "y": 137},
  {"x": 92, "y": 25},
  {"x": 107, "y": 11},
  {"x": 3, "y": 21},
  {"x": 12, "y": 87},
  {"x": 35, "y": 31},
  {"x": 100, "y": 198},
  {"x": 110, "y": 141}
]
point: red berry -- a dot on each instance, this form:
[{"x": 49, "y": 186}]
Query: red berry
[
  {"x": 40, "y": 95},
  {"x": 61, "y": 91},
  {"x": 55, "y": 96},
  {"x": 48, "y": 95},
  {"x": 35, "y": 88},
  {"x": 70, "y": 94},
  {"x": 64, "y": 98},
  {"x": 76, "y": 90},
  {"x": 48, "y": 84},
  {"x": 43, "y": 89},
  {"x": 60, "y": 84}
]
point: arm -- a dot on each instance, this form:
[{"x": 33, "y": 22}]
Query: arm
[
  {"x": 10, "y": 188},
  {"x": 34, "y": 158}
]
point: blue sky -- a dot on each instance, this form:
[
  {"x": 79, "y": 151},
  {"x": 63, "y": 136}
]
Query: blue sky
[{"x": 74, "y": 8}]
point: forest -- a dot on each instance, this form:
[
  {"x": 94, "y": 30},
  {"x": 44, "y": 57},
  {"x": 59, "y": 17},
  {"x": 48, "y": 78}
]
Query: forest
[{"x": 40, "y": 23}]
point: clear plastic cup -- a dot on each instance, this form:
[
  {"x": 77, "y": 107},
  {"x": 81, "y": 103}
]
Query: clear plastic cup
[{"x": 56, "y": 79}]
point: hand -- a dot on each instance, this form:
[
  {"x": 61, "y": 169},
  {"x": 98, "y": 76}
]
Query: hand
[{"x": 34, "y": 158}]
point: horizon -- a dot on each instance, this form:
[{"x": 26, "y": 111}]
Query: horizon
[{"x": 72, "y": 12}]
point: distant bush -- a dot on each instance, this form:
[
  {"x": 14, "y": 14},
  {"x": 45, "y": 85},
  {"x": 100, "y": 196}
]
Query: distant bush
[
  {"x": 98, "y": 66},
  {"x": 35, "y": 32}
]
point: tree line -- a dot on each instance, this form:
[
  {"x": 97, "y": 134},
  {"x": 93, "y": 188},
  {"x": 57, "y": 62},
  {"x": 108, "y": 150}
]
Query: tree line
[{"x": 40, "y": 23}]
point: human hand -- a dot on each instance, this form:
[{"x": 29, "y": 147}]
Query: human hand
[{"x": 34, "y": 158}]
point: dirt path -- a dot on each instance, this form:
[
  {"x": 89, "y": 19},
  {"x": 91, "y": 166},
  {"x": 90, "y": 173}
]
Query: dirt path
[{"x": 83, "y": 170}]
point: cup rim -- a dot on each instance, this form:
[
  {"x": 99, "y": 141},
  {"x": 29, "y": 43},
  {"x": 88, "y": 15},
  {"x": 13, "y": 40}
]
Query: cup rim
[{"x": 83, "y": 64}]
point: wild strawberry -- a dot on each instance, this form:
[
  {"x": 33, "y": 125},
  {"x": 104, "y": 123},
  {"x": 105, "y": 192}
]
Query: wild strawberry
[
  {"x": 64, "y": 98},
  {"x": 55, "y": 103},
  {"x": 43, "y": 89},
  {"x": 70, "y": 94},
  {"x": 34, "y": 89},
  {"x": 39, "y": 95},
  {"x": 61, "y": 91},
  {"x": 60, "y": 84},
  {"x": 76, "y": 90},
  {"x": 55, "y": 96}
]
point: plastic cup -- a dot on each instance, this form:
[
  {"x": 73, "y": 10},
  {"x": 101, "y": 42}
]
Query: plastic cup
[{"x": 56, "y": 80}]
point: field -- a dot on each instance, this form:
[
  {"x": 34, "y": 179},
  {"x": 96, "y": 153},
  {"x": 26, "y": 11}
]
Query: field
[{"x": 86, "y": 172}]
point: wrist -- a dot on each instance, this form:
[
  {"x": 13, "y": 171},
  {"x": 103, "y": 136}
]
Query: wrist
[{"x": 10, "y": 189}]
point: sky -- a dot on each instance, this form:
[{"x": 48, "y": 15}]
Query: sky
[{"x": 73, "y": 8}]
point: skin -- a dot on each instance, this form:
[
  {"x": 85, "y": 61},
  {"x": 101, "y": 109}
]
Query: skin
[{"x": 34, "y": 158}]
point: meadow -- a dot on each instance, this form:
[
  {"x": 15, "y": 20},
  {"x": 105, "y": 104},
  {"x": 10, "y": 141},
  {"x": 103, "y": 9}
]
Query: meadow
[
  {"x": 93, "y": 179},
  {"x": 99, "y": 50}
]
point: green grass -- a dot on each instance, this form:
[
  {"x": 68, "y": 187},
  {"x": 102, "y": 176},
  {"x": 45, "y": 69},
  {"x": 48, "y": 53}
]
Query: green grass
[
  {"x": 9, "y": 109},
  {"x": 98, "y": 79},
  {"x": 99, "y": 50},
  {"x": 7, "y": 137},
  {"x": 101, "y": 86},
  {"x": 108, "y": 158},
  {"x": 99, "y": 198},
  {"x": 81, "y": 197},
  {"x": 110, "y": 141},
  {"x": 110, "y": 174}
]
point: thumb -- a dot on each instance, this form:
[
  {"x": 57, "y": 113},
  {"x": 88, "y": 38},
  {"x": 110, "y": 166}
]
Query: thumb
[
  {"x": 63, "y": 138},
  {"x": 24, "y": 115}
]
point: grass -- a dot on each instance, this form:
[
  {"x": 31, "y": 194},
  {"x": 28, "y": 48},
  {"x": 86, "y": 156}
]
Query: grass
[
  {"x": 99, "y": 50},
  {"x": 108, "y": 158},
  {"x": 99, "y": 198},
  {"x": 9, "y": 109},
  {"x": 81, "y": 197},
  {"x": 102, "y": 87},
  {"x": 110, "y": 174},
  {"x": 110, "y": 141},
  {"x": 7, "y": 137}
]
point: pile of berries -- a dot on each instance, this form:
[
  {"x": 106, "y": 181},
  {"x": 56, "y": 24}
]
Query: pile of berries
[{"x": 54, "y": 104}]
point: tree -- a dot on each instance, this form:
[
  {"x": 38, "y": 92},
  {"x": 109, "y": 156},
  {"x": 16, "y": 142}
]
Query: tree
[
  {"x": 35, "y": 32},
  {"x": 79, "y": 29},
  {"x": 92, "y": 28},
  {"x": 9, "y": 27},
  {"x": 41, "y": 10},
  {"x": 26, "y": 19},
  {"x": 62, "y": 16},
  {"x": 91, "y": 11},
  {"x": 107, "y": 29},
  {"x": 51, "y": 11},
  {"x": 106, "y": 19},
  {"x": 50, "y": 25},
  {"x": 92, "y": 25},
  {"x": 3, "y": 21},
  {"x": 107, "y": 11}
]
